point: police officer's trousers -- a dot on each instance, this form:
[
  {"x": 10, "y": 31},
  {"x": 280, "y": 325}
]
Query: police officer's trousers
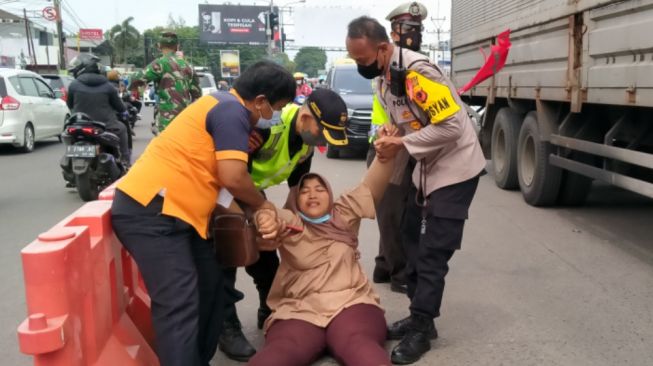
[
  {"x": 432, "y": 235},
  {"x": 182, "y": 278}
]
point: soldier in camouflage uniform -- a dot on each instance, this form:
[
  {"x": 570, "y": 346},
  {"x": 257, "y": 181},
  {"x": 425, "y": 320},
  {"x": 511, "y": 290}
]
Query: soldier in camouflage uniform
[{"x": 175, "y": 81}]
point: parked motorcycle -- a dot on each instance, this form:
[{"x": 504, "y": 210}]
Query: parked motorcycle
[{"x": 92, "y": 158}]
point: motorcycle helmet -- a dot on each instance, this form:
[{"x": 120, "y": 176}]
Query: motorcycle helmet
[
  {"x": 84, "y": 63},
  {"x": 113, "y": 76}
]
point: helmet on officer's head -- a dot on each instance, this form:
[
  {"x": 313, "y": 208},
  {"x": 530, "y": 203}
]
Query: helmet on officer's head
[
  {"x": 84, "y": 63},
  {"x": 411, "y": 13}
]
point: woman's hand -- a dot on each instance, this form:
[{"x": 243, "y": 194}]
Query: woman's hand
[
  {"x": 387, "y": 147},
  {"x": 387, "y": 129},
  {"x": 268, "y": 224},
  {"x": 272, "y": 231}
]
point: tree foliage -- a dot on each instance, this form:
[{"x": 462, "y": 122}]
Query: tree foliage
[
  {"x": 283, "y": 60},
  {"x": 310, "y": 60},
  {"x": 124, "y": 38},
  {"x": 142, "y": 50}
]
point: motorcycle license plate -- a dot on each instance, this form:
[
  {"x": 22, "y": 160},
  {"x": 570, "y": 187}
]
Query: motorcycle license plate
[{"x": 81, "y": 151}]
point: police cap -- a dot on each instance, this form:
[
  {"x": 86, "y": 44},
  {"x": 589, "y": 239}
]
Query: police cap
[{"x": 412, "y": 12}]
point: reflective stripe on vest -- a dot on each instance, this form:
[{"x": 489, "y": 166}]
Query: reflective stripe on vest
[{"x": 272, "y": 164}]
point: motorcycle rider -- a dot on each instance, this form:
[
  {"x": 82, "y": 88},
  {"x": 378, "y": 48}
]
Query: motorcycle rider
[
  {"x": 302, "y": 86},
  {"x": 92, "y": 94}
]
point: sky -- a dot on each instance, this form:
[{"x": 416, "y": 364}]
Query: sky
[{"x": 150, "y": 13}]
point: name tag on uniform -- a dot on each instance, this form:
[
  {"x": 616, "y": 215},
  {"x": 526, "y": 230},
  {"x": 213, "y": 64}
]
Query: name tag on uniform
[{"x": 433, "y": 98}]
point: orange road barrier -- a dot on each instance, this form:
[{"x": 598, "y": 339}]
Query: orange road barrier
[{"x": 86, "y": 302}]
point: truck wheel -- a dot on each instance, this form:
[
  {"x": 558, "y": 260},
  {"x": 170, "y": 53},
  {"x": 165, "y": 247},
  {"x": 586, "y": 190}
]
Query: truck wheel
[
  {"x": 539, "y": 181},
  {"x": 505, "y": 133},
  {"x": 332, "y": 152}
]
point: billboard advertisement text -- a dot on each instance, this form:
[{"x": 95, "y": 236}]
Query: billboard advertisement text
[{"x": 233, "y": 24}]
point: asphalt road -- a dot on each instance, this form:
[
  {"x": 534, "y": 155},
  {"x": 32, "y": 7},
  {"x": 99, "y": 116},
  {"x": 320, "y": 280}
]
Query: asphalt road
[{"x": 530, "y": 287}]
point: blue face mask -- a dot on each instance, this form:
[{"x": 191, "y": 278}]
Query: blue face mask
[{"x": 319, "y": 220}]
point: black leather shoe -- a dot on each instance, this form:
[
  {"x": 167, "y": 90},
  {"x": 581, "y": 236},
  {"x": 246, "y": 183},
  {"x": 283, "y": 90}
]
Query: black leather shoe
[
  {"x": 398, "y": 329},
  {"x": 263, "y": 314},
  {"x": 380, "y": 275},
  {"x": 411, "y": 348},
  {"x": 398, "y": 287},
  {"x": 234, "y": 344}
]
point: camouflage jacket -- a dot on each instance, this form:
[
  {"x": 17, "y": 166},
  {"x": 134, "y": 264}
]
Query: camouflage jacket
[{"x": 176, "y": 85}]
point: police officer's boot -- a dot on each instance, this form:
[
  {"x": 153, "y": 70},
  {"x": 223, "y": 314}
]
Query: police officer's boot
[
  {"x": 233, "y": 342},
  {"x": 398, "y": 329},
  {"x": 415, "y": 342}
]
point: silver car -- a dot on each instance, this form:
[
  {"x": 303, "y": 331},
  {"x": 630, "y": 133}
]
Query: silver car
[
  {"x": 29, "y": 110},
  {"x": 207, "y": 83}
]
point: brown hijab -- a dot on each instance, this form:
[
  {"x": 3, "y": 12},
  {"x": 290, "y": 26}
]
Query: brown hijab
[{"x": 335, "y": 228}]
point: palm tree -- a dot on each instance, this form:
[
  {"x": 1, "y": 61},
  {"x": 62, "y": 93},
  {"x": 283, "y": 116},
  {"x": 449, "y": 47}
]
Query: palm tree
[{"x": 124, "y": 36}]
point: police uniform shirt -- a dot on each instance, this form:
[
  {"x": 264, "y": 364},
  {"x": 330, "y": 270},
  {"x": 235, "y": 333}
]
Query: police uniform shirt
[{"x": 436, "y": 129}]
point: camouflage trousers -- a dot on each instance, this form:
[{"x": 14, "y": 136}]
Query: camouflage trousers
[{"x": 167, "y": 112}]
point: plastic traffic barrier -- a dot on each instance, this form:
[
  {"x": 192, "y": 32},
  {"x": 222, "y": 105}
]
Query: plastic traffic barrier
[
  {"x": 85, "y": 303},
  {"x": 108, "y": 193}
]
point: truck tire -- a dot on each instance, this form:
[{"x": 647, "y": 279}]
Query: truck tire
[
  {"x": 539, "y": 181},
  {"x": 505, "y": 133}
]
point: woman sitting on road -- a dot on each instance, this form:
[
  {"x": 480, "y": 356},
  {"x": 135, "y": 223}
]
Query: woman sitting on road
[{"x": 320, "y": 298}]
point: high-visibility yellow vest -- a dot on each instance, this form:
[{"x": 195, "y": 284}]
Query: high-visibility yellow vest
[
  {"x": 273, "y": 164},
  {"x": 379, "y": 117}
]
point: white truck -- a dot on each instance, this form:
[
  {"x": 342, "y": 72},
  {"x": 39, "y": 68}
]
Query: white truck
[{"x": 574, "y": 102}]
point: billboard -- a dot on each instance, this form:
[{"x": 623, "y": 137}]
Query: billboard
[
  {"x": 91, "y": 34},
  {"x": 233, "y": 24},
  {"x": 335, "y": 19},
  {"x": 230, "y": 63}
]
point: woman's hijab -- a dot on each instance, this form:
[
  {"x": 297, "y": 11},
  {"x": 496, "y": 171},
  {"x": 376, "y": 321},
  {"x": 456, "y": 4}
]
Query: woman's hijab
[{"x": 335, "y": 227}]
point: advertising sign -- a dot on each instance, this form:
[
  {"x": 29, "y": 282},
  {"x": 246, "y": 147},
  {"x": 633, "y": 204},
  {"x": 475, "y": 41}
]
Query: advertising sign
[
  {"x": 233, "y": 24},
  {"x": 230, "y": 63},
  {"x": 91, "y": 34}
]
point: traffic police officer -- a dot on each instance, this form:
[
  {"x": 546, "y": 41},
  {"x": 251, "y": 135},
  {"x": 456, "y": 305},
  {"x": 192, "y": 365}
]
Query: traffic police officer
[
  {"x": 406, "y": 24},
  {"x": 434, "y": 129}
]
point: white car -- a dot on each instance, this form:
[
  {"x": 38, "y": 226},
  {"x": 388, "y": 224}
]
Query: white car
[
  {"x": 146, "y": 95},
  {"x": 29, "y": 110},
  {"x": 207, "y": 83}
]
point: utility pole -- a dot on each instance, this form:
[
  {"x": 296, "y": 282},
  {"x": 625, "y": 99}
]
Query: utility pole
[
  {"x": 438, "y": 29},
  {"x": 62, "y": 59},
  {"x": 30, "y": 41},
  {"x": 270, "y": 28}
]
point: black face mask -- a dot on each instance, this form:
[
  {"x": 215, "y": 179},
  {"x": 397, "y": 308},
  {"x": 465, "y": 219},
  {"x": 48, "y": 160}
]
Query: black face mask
[
  {"x": 411, "y": 40},
  {"x": 372, "y": 70}
]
